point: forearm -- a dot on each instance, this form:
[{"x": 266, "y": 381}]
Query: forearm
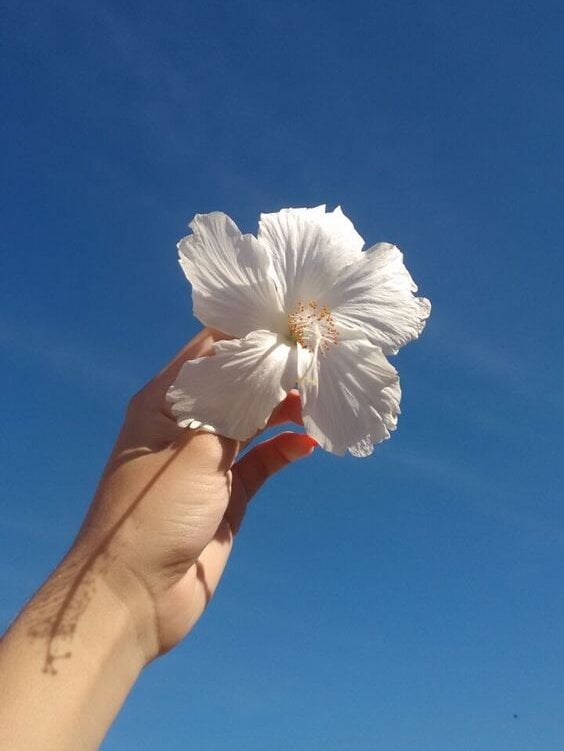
[{"x": 67, "y": 663}]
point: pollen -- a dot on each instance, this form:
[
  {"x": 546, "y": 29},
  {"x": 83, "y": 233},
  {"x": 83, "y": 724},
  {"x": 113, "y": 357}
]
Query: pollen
[{"x": 312, "y": 326}]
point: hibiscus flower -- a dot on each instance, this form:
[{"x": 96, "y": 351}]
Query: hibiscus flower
[{"x": 306, "y": 308}]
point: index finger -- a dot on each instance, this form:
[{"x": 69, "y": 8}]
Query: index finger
[{"x": 200, "y": 346}]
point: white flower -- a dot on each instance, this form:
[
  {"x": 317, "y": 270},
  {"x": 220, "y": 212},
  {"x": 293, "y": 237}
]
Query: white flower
[{"x": 307, "y": 307}]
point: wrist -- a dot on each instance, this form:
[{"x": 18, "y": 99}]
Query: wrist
[
  {"x": 69, "y": 660},
  {"x": 122, "y": 594},
  {"x": 77, "y": 615}
]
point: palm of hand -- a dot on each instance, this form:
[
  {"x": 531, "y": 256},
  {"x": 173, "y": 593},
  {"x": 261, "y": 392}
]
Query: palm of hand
[{"x": 171, "y": 500}]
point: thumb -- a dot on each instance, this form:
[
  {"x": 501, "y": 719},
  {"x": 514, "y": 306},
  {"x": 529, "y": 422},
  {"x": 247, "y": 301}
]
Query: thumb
[{"x": 262, "y": 462}]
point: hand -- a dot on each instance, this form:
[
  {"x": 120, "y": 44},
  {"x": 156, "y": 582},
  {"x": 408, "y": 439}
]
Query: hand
[{"x": 161, "y": 526}]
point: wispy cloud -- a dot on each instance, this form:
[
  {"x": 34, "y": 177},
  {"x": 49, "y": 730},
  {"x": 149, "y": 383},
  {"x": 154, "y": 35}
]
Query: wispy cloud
[
  {"x": 518, "y": 374},
  {"x": 484, "y": 496},
  {"x": 175, "y": 107},
  {"x": 70, "y": 360}
]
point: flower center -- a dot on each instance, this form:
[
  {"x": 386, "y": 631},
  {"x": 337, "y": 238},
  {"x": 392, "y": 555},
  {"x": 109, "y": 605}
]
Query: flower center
[{"x": 312, "y": 326}]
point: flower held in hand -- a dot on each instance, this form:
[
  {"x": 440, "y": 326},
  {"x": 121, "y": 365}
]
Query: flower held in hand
[{"x": 307, "y": 307}]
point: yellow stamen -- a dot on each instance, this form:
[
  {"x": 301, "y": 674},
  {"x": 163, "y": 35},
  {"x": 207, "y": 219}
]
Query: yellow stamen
[{"x": 312, "y": 326}]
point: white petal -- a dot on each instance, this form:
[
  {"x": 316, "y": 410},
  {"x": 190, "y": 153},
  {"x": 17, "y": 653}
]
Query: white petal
[
  {"x": 234, "y": 391},
  {"x": 363, "y": 448},
  {"x": 309, "y": 250},
  {"x": 375, "y": 294},
  {"x": 230, "y": 274},
  {"x": 353, "y": 400}
]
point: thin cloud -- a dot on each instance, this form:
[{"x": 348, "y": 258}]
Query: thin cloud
[
  {"x": 176, "y": 104},
  {"x": 483, "y": 496},
  {"x": 70, "y": 360},
  {"x": 516, "y": 374}
]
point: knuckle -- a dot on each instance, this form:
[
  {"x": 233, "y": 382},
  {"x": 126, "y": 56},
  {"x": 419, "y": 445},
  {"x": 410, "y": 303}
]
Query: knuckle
[{"x": 139, "y": 400}]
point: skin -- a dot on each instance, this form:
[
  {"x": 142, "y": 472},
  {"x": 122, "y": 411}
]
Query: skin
[{"x": 140, "y": 573}]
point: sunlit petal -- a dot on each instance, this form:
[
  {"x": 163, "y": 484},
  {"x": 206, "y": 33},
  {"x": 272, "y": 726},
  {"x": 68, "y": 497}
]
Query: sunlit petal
[
  {"x": 235, "y": 390},
  {"x": 230, "y": 274},
  {"x": 351, "y": 397},
  {"x": 309, "y": 250},
  {"x": 376, "y": 294}
]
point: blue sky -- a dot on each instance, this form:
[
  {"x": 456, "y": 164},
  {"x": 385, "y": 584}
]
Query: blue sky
[{"x": 413, "y": 600}]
